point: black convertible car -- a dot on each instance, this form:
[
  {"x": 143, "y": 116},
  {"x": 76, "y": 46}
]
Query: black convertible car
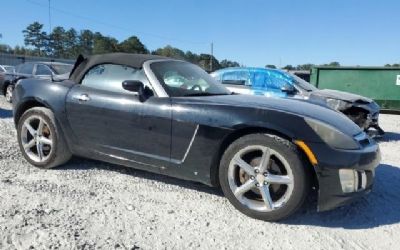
[{"x": 170, "y": 117}]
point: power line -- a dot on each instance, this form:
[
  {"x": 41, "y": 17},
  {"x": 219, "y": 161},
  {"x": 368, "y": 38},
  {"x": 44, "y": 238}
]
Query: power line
[{"x": 111, "y": 25}]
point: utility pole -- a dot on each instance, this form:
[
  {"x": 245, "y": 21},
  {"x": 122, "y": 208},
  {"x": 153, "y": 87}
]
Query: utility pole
[
  {"x": 49, "y": 17},
  {"x": 211, "y": 56}
]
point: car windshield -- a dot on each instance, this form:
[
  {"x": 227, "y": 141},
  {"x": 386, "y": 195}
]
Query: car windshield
[
  {"x": 61, "y": 69},
  {"x": 185, "y": 79}
]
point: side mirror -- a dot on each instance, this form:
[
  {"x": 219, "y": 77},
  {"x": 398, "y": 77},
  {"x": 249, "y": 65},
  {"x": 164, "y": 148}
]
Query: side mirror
[
  {"x": 288, "y": 89},
  {"x": 133, "y": 85},
  {"x": 138, "y": 88}
]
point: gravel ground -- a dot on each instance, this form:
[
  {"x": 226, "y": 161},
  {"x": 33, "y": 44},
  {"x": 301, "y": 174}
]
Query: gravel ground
[{"x": 92, "y": 205}]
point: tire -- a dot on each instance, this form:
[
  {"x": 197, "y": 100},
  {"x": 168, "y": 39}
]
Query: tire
[
  {"x": 265, "y": 200},
  {"x": 8, "y": 93},
  {"x": 52, "y": 155}
]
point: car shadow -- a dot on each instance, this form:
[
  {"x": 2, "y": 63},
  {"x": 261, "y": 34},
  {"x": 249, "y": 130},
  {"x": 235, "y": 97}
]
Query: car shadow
[
  {"x": 380, "y": 207},
  {"x": 81, "y": 163},
  {"x": 5, "y": 113},
  {"x": 389, "y": 136}
]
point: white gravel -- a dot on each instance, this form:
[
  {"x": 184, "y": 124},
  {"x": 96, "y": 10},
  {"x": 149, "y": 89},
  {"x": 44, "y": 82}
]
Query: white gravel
[{"x": 93, "y": 205}]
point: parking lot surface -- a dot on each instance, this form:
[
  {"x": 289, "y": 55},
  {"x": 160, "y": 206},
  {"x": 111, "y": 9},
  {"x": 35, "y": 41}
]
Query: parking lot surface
[{"x": 92, "y": 205}]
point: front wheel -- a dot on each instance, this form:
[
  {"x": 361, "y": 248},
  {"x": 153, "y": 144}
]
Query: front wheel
[
  {"x": 40, "y": 139},
  {"x": 263, "y": 176}
]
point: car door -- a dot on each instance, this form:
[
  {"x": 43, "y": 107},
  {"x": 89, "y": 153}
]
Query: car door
[{"x": 109, "y": 120}]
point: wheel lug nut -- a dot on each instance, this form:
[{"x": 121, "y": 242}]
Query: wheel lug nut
[
  {"x": 257, "y": 185},
  {"x": 265, "y": 183},
  {"x": 265, "y": 174},
  {"x": 252, "y": 177},
  {"x": 257, "y": 171}
]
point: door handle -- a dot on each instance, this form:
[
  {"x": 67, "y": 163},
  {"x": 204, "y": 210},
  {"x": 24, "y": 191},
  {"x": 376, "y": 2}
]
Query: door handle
[{"x": 82, "y": 98}]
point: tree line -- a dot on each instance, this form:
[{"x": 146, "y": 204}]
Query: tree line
[{"x": 69, "y": 43}]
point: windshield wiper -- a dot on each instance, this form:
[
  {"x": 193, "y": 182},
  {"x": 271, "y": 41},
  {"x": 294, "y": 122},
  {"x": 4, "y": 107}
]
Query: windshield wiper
[{"x": 206, "y": 94}]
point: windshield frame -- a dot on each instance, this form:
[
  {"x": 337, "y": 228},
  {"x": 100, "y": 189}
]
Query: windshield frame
[{"x": 156, "y": 79}]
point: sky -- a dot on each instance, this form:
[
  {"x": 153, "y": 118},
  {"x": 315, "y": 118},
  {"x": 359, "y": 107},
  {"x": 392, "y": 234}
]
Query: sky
[{"x": 252, "y": 32}]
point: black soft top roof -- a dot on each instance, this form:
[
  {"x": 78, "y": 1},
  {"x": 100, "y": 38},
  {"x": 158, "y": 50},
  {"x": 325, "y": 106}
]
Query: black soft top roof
[{"x": 83, "y": 64}]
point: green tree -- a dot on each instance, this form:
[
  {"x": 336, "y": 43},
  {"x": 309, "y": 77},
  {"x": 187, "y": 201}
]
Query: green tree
[
  {"x": 204, "y": 62},
  {"x": 4, "y": 48},
  {"x": 71, "y": 43},
  {"x": 332, "y": 64},
  {"x": 227, "y": 64},
  {"x": 19, "y": 50},
  {"x": 133, "y": 45},
  {"x": 170, "y": 51},
  {"x": 306, "y": 66},
  {"x": 56, "y": 43},
  {"x": 192, "y": 57},
  {"x": 85, "y": 42},
  {"x": 271, "y": 66},
  {"x": 104, "y": 44},
  {"x": 35, "y": 37},
  {"x": 289, "y": 67}
]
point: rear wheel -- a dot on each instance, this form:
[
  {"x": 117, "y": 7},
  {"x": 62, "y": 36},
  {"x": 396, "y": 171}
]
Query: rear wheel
[
  {"x": 8, "y": 93},
  {"x": 40, "y": 139},
  {"x": 263, "y": 176}
]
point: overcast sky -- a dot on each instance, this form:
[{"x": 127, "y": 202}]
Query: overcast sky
[{"x": 252, "y": 32}]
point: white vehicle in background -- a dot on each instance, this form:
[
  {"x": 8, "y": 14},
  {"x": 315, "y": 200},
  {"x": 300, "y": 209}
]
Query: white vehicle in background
[
  {"x": 7, "y": 69},
  {"x": 40, "y": 70}
]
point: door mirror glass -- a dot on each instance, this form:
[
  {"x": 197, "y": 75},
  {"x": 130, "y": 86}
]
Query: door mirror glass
[
  {"x": 288, "y": 89},
  {"x": 132, "y": 85}
]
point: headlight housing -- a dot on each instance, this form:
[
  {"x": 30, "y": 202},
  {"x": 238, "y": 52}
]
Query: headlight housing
[
  {"x": 352, "y": 180},
  {"x": 331, "y": 136},
  {"x": 337, "y": 104},
  {"x": 348, "y": 180}
]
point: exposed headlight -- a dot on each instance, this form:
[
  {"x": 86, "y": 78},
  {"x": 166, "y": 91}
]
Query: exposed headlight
[
  {"x": 348, "y": 180},
  {"x": 332, "y": 136},
  {"x": 337, "y": 104},
  {"x": 352, "y": 180}
]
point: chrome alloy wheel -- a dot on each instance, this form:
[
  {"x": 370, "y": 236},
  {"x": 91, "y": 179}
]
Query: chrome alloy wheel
[
  {"x": 36, "y": 139},
  {"x": 9, "y": 91},
  {"x": 260, "y": 178}
]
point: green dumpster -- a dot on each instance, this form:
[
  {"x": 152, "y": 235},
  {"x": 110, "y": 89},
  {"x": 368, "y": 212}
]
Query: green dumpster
[{"x": 379, "y": 83}]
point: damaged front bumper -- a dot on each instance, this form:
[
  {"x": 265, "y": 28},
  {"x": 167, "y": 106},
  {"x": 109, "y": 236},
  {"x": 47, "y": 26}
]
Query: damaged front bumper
[{"x": 332, "y": 184}]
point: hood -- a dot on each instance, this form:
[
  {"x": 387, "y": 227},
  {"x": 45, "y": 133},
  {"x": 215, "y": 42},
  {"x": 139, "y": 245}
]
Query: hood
[
  {"x": 340, "y": 95},
  {"x": 294, "y": 106}
]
